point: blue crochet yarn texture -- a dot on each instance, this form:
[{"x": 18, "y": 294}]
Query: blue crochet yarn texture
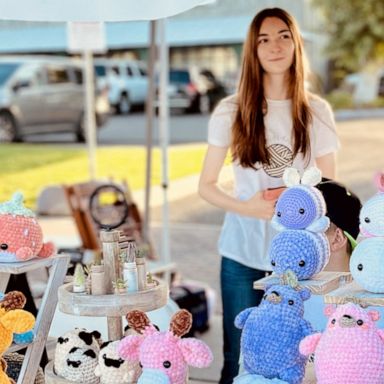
[
  {"x": 299, "y": 206},
  {"x": 303, "y": 252},
  {"x": 372, "y": 216},
  {"x": 271, "y": 334},
  {"x": 367, "y": 264}
]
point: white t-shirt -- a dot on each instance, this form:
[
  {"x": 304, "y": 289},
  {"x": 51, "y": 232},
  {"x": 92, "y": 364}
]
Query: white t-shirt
[{"x": 245, "y": 239}]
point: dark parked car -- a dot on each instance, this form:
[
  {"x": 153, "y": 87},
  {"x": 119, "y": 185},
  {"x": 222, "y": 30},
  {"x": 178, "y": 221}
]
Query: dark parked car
[{"x": 194, "y": 91}]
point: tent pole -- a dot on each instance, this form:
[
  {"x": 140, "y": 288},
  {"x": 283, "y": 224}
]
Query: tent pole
[{"x": 149, "y": 112}]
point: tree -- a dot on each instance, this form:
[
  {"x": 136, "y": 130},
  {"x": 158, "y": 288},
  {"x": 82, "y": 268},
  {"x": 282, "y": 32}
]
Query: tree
[{"x": 356, "y": 31}]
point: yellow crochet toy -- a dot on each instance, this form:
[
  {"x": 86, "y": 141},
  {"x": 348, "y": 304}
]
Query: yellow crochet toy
[{"x": 11, "y": 321}]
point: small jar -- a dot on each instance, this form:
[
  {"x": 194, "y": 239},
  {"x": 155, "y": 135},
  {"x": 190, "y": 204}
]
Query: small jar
[
  {"x": 130, "y": 276},
  {"x": 98, "y": 286}
]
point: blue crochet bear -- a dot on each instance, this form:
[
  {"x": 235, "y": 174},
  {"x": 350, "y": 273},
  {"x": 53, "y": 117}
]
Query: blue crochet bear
[
  {"x": 301, "y": 206},
  {"x": 303, "y": 252},
  {"x": 271, "y": 334}
]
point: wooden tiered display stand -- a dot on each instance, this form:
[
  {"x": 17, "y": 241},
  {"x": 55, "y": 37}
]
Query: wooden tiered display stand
[
  {"x": 57, "y": 270},
  {"x": 111, "y": 306},
  {"x": 353, "y": 292},
  {"x": 320, "y": 284}
]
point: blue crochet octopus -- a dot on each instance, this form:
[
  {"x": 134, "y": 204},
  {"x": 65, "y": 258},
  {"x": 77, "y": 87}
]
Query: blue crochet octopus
[
  {"x": 271, "y": 334},
  {"x": 303, "y": 252}
]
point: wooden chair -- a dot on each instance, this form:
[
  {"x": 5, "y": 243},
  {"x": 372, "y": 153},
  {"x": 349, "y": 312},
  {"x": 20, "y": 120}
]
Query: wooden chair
[{"x": 78, "y": 196}]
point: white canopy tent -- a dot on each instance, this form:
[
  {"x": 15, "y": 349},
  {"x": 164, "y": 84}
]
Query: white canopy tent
[{"x": 113, "y": 11}]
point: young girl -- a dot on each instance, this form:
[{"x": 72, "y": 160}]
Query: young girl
[{"x": 270, "y": 124}]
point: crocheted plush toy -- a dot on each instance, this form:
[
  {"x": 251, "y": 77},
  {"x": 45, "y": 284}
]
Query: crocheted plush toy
[
  {"x": 271, "y": 334},
  {"x": 372, "y": 212},
  {"x": 164, "y": 356},
  {"x": 301, "y": 206},
  {"x": 112, "y": 369},
  {"x": 21, "y": 236},
  {"x": 351, "y": 349},
  {"x": 78, "y": 338},
  {"x": 12, "y": 321},
  {"x": 303, "y": 252},
  {"x": 80, "y": 366},
  {"x": 16, "y": 300}
]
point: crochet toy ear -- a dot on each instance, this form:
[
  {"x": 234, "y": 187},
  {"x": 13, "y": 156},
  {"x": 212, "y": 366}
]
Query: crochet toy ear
[
  {"x": 329, "y": 309},
  {"x": 291, "y": 177},
  {"x": 242, "y": 317},
  {"x": 374, "y": 315},
  {"x": 379, "y": 181},
  {"x": 195, "y": 352},
  {"x": 181, "y": 323},
  {"x": 305, "y": 293},
  {"x": 137, "y": 320},
  {"x": 312, "y": 176},
  {"x": 129, "y": 347}
]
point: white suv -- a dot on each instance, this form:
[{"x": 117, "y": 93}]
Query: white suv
[{"x": 126, "y": 80}]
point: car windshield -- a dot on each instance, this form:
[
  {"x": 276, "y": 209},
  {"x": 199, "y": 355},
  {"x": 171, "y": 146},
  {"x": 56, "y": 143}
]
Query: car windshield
[
  {"x": 100, "y": 70},
  {"x": 179, "y": 77},
  {"x": 6, "y": 71}
]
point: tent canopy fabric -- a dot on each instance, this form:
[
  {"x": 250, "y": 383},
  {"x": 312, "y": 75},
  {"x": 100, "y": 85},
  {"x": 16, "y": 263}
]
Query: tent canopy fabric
[{"x": 94, "y": 10}]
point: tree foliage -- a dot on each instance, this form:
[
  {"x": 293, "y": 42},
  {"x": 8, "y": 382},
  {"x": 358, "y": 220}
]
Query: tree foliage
[{"x": 356, "y": 31}]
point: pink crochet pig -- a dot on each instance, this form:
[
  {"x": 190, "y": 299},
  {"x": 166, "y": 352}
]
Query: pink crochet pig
[
  {"x": 21, "y": 237},
  {"x": 164, "y": 356},
  {"x": 351, "y": 349}
]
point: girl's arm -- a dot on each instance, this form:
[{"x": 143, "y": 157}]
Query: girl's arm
[
  {"x": 327, "y": 165},
  {"x": 256, "y": 206}
]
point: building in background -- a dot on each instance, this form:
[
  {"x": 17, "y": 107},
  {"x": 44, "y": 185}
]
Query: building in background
[{"x": 208, "y": 37}]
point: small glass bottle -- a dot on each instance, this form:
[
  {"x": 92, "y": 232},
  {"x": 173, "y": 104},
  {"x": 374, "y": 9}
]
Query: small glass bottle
[
  {"x": 98, "y": 286},
  {"x": 129, "y": 267}
]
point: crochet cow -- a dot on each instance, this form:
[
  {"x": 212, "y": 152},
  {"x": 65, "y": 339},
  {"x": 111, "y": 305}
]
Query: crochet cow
[
  {"x": 164, "y": 356},
  {"x": 351, "y": 349},
  {"x": 271, "y": 334}
]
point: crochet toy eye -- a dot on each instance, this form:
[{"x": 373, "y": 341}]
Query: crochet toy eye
[
  {"x": 359, "y": 322},
  {"x": 104, "y": 356},
  {"x": 4, "y": 246},
  {"x": 360, "y": 267},
  {"x": 333, "y": 321},
  {"x": 167, "y": 364},
  {"x": 291, "y": 302},
  {"x": 278, "y": 214},
  {"x": 301, "y": 211},
  {"x": 265, "y": 297},
  {"x": 367, "y": 220},
  {"x": 273, "y": 263},
  {"x": 302, "y": 263},
  {"x": 141, "y": 365}
]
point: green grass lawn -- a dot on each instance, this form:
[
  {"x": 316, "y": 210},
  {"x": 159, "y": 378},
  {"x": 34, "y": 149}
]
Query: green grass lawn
[{"x": 29, "y": 168}]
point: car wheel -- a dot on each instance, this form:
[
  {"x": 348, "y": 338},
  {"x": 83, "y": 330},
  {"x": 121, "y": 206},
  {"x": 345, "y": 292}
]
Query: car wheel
[
  {"x": 80, "y": 131},
  {"x": 124, "y": 106},
  {"x": 204, "y": 104},
  {"x": 8, "y": 128}
]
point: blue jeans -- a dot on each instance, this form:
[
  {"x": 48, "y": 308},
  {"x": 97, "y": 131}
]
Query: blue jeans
[{"x": 237, "y": 294}]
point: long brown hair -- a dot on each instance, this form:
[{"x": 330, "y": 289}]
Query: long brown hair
[{"x": 248, "y": 130}]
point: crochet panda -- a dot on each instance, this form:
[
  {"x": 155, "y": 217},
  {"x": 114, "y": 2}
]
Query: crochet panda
[
  {"x": 112, "y": 369},
  {"x": 79, "y": 338},
  {"x": 80, "y": 366}
]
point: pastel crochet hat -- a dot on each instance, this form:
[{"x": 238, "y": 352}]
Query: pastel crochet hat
[
  {"x": 271, "y": 334},
  {"x": 303, "y": 252},
  {"x": 372, "y": 213},
  {"x": 301, "y": 206},
  {"x": 367, "y": 264},
  {"x": 351, "y": 349}
]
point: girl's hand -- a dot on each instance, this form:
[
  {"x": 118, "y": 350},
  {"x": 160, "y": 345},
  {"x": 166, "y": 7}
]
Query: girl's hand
[{"x": 260, "y": 208}]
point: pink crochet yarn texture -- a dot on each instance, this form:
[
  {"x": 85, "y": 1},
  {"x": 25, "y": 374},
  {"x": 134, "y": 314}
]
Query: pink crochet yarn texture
[{"x": 351, "y": 349}]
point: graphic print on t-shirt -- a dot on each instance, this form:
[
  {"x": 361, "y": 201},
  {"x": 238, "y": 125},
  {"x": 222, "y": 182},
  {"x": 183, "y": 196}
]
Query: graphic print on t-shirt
[{"x": 281, "y": 157}]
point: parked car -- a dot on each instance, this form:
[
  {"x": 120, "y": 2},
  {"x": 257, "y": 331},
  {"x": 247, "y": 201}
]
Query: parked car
[
  {"x": 126, "y": 80},
  {"x": 194, "y": 90},
  {"x": 43, "y": 95}
]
